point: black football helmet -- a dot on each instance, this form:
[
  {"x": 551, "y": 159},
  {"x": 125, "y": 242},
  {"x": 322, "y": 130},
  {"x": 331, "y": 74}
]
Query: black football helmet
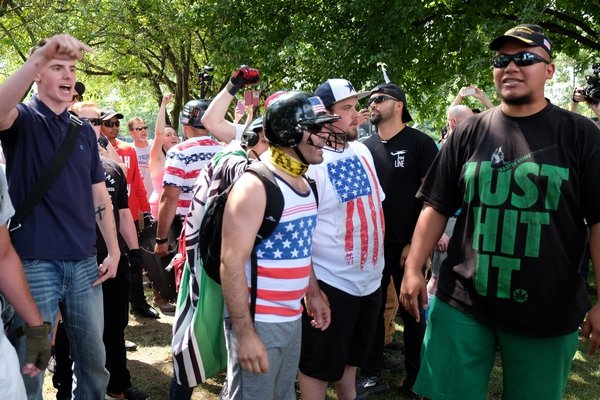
[
  {"x": 290, "y": 114},
  {"x": 192, "y": 113}
]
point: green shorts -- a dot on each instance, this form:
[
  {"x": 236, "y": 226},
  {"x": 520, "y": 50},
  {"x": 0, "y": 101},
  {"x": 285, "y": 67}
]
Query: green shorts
[{"x": 458, "y": 355}]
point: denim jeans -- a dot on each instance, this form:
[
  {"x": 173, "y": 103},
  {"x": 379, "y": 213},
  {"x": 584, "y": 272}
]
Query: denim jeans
[
  {"x": 69, "y": 283},
  {"x": 116, "y": 316}
]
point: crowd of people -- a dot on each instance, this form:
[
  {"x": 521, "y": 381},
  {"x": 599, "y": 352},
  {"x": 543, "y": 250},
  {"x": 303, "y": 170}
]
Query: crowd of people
[{"x": 479, "y": 237}]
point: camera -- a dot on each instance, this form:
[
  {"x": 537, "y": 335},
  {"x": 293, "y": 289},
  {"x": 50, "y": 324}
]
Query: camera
[
  {"x": 102, "y": 141},
  {"x": 592, "y": 90}
]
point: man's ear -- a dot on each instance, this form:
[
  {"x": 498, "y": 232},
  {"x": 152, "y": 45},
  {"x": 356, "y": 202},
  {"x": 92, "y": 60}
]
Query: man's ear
[
  {"x": 400, "y": 105},
  {"x": 550, "y": 70}
]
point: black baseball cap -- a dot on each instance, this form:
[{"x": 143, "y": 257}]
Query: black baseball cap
[
  {"x": 105, "y": 115},
  {"x": 79, "y": 88},
  {"x": 396, "y": 92},
  {"x": 531, "y": 35}
]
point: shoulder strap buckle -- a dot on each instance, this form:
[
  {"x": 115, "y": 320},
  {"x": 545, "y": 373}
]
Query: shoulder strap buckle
[{"x": 13, "y": 228}]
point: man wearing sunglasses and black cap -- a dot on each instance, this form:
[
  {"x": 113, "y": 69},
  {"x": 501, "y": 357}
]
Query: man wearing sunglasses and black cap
[
  {"x": 524, "y": 176},
  {"x": 138, "y": 203},
  {"x": 402, "y": 157}
]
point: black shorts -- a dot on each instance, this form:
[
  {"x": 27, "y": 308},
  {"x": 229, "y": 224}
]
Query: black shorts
[{"x": 346, "y": 341}]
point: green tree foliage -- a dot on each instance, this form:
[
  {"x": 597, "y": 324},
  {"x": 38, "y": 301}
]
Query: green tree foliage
[{"x": 431, "y": 48}]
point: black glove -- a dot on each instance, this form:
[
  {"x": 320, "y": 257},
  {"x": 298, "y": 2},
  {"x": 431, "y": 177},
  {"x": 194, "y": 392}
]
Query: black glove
[
  {"x": 244, "y": 76},
  {"x": 148, "y": 220},
  {"x": 38, "y": 344},
  {"x": 135, "y": 258}
]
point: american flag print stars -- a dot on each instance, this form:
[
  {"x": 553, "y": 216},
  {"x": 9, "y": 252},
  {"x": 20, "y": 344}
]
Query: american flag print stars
[
  {"x": 349, "y": 179},
  {"x": 290, "y": 241}
]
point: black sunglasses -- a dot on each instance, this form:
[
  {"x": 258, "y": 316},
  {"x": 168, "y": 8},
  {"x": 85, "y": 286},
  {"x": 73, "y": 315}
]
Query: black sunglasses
[
  {"x": 110, "y": 124},
  {"x": 93, "y": 121},
  {"x": 379, "y": 99},
  {"x": 140, "y": 128},
  {"x": 522, "y": 59}
]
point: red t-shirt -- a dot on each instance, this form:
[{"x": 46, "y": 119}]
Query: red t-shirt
[{"x": 138, "y": 198}]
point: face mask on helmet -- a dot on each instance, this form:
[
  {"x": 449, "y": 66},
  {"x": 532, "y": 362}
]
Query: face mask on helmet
[{"x": 335, "y": 140}]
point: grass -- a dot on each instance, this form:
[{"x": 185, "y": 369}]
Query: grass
[{"x": 151, "y": 368}]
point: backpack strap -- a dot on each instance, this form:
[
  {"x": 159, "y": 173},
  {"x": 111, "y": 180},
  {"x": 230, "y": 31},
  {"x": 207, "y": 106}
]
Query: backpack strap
[
  {"x": 273, "y": 211},
  {"x": 313, "y": 186},
  {"x": 275, "y": 202}
]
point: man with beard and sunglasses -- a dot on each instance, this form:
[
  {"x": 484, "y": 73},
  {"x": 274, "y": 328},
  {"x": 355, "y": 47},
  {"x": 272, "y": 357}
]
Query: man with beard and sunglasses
[
  {"x": 347, "y": 252},
  {"x": 524, "y": 175},
  {"x": 264, "y": 351},
  {"x": 402, "y": 156}
]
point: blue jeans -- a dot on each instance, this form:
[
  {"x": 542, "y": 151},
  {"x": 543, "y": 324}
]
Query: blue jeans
[{"x": 69, "y": 284}]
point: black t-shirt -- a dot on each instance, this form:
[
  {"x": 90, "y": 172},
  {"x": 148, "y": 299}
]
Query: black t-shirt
[
  {"x": 116, "y": 184},
  {"x": 525, "y": 186},
  {"x": 401, "y": 163}
]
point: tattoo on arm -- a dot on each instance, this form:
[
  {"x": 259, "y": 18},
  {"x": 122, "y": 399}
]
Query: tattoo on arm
[{"x": 100, "y": 211}]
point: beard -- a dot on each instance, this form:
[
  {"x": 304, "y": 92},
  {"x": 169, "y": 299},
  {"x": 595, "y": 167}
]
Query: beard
[
  {"x": 517, "y": 100},
  {"x": 351, "y": 133},
  {"x": 376, "y": 119}
]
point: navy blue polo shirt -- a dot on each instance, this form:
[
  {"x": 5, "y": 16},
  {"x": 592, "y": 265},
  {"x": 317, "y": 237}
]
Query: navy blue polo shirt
[{"x": 62, "y": 224}]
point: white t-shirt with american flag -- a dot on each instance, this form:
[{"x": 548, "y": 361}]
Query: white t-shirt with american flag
[
  {"x": 284, "y": 259},
  {"x": 183, "y": 164},
  {"x": 348, "y": 240}
]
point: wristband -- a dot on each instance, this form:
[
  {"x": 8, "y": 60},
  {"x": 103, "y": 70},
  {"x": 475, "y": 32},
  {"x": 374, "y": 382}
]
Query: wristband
[
  {"x": 232, "y": 88},
  {"x": 161, "y": 241}
]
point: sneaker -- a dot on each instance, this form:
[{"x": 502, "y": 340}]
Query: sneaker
[
  {"x": 145, "y": 311},
  {"x": 51, "y": 364},
  {"x": 368, "y": 385},
  {"x": 130, "y": 346},
  {"x": 165, "y": 306},
  {"x": 392, "y": 364},
  {"x": 129, "y": 394}
]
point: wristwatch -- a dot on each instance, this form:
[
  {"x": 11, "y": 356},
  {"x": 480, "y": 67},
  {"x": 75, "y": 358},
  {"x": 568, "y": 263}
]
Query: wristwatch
[{"x": 161, "y": 241}]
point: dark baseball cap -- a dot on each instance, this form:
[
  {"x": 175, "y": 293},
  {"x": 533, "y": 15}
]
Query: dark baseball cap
[
  {"x": 105, "y": 115},
  {"x": 531, "y": 35},
  {"x": 79, "y": 88},
  {"x": 396, "y": 92}
]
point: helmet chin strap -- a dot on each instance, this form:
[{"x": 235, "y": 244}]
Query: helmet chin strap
[{"x": 299, "y": 154}]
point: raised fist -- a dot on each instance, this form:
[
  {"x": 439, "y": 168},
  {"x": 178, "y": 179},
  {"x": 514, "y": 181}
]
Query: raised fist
[{"x": 245, "y": 76}]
